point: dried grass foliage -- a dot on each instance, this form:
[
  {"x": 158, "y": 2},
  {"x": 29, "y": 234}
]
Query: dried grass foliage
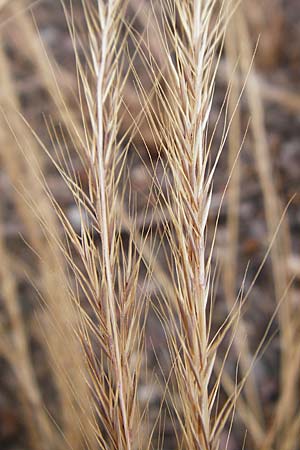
[{"x": 99, "y": 281}]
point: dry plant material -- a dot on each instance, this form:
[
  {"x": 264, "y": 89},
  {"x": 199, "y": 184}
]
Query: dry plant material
[
  {"x": 111, "y": 303},
  {"x": 194, "y": 32},
  {"x": 287, "y": 408},
  {"x": 233, "y": 201},
  {"x": 107, "y": 253},
  {"x": 24, "y": 164},
  {"x": 16, "y": 351}
]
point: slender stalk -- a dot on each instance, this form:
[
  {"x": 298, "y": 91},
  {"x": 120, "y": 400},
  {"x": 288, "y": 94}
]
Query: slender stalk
[
  {"x": 103, "y": 201},
  {"x": 287, "y": 405}
]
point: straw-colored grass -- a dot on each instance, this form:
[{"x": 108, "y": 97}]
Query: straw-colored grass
[{"x": 99, "y": 279}]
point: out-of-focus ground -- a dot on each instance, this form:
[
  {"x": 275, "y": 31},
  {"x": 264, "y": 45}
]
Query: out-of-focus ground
[{"x": 277, "y": 62}]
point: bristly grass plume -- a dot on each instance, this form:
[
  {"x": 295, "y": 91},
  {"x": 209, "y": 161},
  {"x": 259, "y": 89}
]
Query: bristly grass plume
[{"x": 121, "y": 264}]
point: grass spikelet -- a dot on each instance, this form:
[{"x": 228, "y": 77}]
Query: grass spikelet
[
  {"x": 111, "y": 303},
  {"x": 194, "y": 31}
]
